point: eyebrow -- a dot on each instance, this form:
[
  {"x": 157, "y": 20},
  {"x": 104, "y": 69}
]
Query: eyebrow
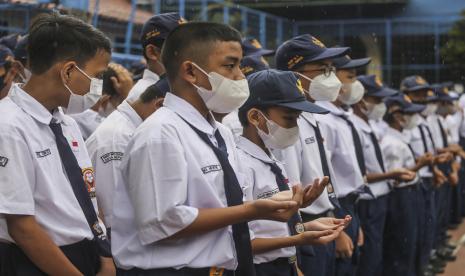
[{"x": 232, "y": 59}]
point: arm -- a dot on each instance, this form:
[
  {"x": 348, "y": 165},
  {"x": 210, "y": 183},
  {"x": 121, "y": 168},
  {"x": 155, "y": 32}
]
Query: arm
[
  {"x": 400, "y": 174},
  {"x": 38, "y": 246}
]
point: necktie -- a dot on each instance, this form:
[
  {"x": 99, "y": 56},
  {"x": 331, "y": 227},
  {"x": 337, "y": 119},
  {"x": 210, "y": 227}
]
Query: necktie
[
  {"x": 359, "y": 154},
  {"x": 74, "y": 173},
  {"x": 234, "y": 197},
  {"x": 445, "y": 143},
  {"x": 325, "y": 167},
  {"x": 378, "y": 153},
  {"x": 425, "y": 144}
]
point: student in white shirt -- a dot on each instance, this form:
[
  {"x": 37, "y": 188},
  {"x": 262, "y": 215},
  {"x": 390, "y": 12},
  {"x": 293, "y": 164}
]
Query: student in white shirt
[
  {"x": 49, "y": 224},
  {"x": 108, "y": 143},
  {"x": 372, "y": 211},
  {"x": 152, "y": 37},
  {"x": 401, "y": 231},
  {"x": 269, "y": 118},
  {"x": 180, "y": 192}
]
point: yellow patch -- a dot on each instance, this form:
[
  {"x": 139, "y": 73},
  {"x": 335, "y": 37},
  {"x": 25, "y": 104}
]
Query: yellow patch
[
  {"x": 299, "y": 86},
  {"x": 89, "y": 180},
  {"x": 246, "y": 69},
  {"x": 430, "y": 93},
  {"x": 216, "y": 271},
  {"x": 420, "y": 81},
  {"x": 255, "y": 43},
  {"x": 182, "y": 20},
  {"x": 445, "y": 90},
  {"x": 293, "y": 61},
  {"x": 317, "y": 42},
  {"x": 407, "y": 99},
  {"x": 378, "y": 81},
  {"x": 151, "y": 34}
]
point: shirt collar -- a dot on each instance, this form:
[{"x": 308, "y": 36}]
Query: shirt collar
[
  {"x": 360, "y": 123},
  {"x": 397, "y": 134},
  {"x": 127, "y": 110},
  {"x": 253, "y": 150},
  {"x": 31, "y": 106},
  {"x": 187, "y": 112},
  {"x": 309, "y": 118},
  {"x": 150, "y": 76},
  {"x": 331, "y": 107}
]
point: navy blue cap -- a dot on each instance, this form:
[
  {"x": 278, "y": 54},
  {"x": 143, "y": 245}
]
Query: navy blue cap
[
  {"x": 159, "y": 26},
  {"x": 414, "y": 83},
  {"x": 10, "y": 41},
  {"x": 441, "y": 92},
  {"x": 251, "y": 47},
  {"x": 304, "y": 49},
  {"x": 374, "y": 87},
  {"x": 4, "y": 53},
  {"x": 345, "y": 62},
  {"x": 401, "y": 102},
  {"x": 278, "y": 88},
  {"x": 252, "y": 64},
  {"x": 163, "y": 85},
  {"x": 21, "y": 48}
]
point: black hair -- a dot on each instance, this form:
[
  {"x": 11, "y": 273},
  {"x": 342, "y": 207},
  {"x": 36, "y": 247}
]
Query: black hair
[
  {"x": 107, "y": 87},
  {"x": 190, "y": 42},
  {"x": 242, "y": 114},
  {"x": 54, "y": 38},
  {"x": 151, "y": 93}
]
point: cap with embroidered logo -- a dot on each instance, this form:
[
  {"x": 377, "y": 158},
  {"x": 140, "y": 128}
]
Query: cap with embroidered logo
[
  {"x": 251, "y": 47},
  {"x": 157, "y": 28},
  {"x": 402, "y": 102},
  {"x": 252, "y": 64},
  {"x": 374, "y": 87}
]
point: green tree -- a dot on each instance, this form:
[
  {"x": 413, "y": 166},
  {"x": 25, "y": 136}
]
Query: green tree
[{"x": 453, "y": 51}]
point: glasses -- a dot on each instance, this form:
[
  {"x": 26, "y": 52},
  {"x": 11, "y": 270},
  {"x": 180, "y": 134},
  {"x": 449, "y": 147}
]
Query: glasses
[{"x": 326, "y": 70}]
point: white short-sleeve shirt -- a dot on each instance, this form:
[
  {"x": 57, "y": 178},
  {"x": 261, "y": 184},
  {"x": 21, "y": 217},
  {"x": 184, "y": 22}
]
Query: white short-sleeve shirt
[
  {"x": 106, "y": 148},
  {"x": 88, "y": 121},
  {"x": 260, "y": 183},
  {"x": 168, "y": 173},
  {"x": 416, "y": 142},
  {"x": 347, "y": 176},
  {"x": 33, "y": 180},
  {"x": 148, "y": 78},
  {"x": 303, "y": 163}
]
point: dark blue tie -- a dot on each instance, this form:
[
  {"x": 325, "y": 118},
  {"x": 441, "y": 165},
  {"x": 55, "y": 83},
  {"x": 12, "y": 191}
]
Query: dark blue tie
[
  {"x": 74, "y": 173},
  {"x": 234, "y": 197}
]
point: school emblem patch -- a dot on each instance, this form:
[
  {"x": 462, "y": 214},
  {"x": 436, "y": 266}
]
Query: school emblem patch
[
  {"x": 293, "y": 61},
  {"x": 255, "y": 43},
  {"x": 89, "y": 179},
  {"x": 317, "y": 42},
  {"x": 378, "y": 81},
  {"x": 216, "y": 271},
  {"x": 420, "y": 81},
  {"x": 407, "y": 99}
]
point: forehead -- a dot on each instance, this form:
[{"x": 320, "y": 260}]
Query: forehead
[
  {"x": 225, "y": 49},
  {"x": 284, "y": 110},
  {"x": 317, "y": 64},
  {"x": 99, "y": 62}
]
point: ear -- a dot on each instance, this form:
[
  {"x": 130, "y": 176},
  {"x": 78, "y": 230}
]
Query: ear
[
  {"x": 158, "y": 103},
  {"x": 152, "y": 52},
  {"x": 253, "y": 117},
  {"x": 186, "y": 72},
  {"x": 67, "y": 69}
]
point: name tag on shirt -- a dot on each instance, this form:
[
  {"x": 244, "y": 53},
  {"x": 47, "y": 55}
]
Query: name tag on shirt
[
  {"x": 41, "y": 154},
  {"x": 211, "y": 168},
  {"x": 310, "y": 140},
  {"x": 268, "y": 194},
  {"x": 3, "y": 161},
  {"x": 111, "y": 156}
]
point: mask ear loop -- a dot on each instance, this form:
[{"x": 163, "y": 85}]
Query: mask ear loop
[{"x": 307, "y": 78}]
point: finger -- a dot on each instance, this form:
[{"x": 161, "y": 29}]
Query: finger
[
  {"x": 324, "y": 181},
  {"x": 115, "y": 81},
  {"x": 298, "y": 194}
]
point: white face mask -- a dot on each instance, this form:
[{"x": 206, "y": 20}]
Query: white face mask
[
  {"x": 323, "y": 88},
  {"x": 226, "y": 95},
  {"x": 352, "y": 93},
  {"x": 278, "y": 137},
  {"x": 411, "y": 121},
  {"x": 375, "y": 111},
  {"x": 430, "y": 109},
  {"x": 80, "y": 103}
]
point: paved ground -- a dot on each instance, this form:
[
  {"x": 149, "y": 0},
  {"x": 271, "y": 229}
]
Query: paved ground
[{"x": 457, "y": 268}]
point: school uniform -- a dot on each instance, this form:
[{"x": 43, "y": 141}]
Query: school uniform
[
  {"x": 167, "y": 174},
  {"x": 46, "y": 173},
  {"x": 232, "y": 122},
  {"x": 421, "y": 142},
  {"x": 106, "y": 148},
  {"x": 148, "y": 78},
  {"x": 372, "y": 211},
  {"x": 260, "y": 182},
  {"x": 401, "y": 227},
  {"x": 303, "y": 163},
  {"x": 88, "y": 121},
  {"x": 347, "y": 175}
]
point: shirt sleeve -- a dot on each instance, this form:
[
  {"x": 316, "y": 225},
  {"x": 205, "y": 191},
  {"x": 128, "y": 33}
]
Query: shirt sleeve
[
  {"x": 157, "y": 186},
  {"x": 392, "y": 156},
  {"x": 17, "y": 175}
]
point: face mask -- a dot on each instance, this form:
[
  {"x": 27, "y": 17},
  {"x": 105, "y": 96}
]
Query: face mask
[
  {"x": 411, "y": 121},
  {"x": 352, "y": 93},
  {"x": 226, "y": 95},
  {"x": 375, "y": 111},
  {"x": 80, "y": 103},
  {"x": 323, "y": 88},
  {"x": 278, "y": 137},
  {"x": 430, "y": 109}
]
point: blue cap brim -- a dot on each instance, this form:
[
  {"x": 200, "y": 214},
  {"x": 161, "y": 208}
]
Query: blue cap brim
[
  {"x": 447, "y": 98},
  {"x": 329, "y": 53},
  {"x": 418, "y": 87},
  {"x": 432, "y": 98},
  {"x": 355, "y": 63},
  {"x": 305, "y": 106},
  {"x": 414, "y": 108},
  {"x": 262, "y": 52},
  {"x": 384, "y": 92}
]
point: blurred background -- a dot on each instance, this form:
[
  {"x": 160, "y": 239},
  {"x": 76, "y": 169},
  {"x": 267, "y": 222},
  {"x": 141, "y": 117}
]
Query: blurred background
[{"x": 403, "y": 37}]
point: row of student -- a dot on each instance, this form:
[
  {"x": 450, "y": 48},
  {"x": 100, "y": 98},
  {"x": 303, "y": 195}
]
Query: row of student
[{"x": 161, "y": 223}]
